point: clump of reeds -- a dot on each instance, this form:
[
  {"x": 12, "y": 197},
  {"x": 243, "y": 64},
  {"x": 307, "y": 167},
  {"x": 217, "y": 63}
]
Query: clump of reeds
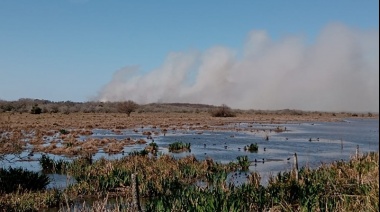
[
  {"x": 152, "y": 148},
  {"x": 341, "y": 186},
  {"x": 179, "y": 147},
  {"x": 31, "y": 201},
  {"x": 50, "y": 165},
  {"x": 243, "y": 162},
  {"x": 252, "y": 147}
]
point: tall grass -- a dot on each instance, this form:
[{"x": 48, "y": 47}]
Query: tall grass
[
  {"x": 168, "y": 184},
  {"x": 340, "y": 186},
  {"x": 49, "y": 165}
]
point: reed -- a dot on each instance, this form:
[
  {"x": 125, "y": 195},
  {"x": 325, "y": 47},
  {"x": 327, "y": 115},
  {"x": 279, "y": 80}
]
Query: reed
[
  {"x": 179, "y": 147},
  {"x": 251, "y": 148},
  {"x": 169, "y": 184},
  {"x": 50, "y": 165},
  {"x": 243, "y": 162},
  {"x": 31, "y": 201}
]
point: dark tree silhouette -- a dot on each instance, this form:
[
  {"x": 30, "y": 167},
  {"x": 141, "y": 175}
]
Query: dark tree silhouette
[{"x": 127, "y": 107}]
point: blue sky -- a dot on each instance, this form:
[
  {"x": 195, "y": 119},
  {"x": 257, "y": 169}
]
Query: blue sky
[{"x": 70, "y": 49}]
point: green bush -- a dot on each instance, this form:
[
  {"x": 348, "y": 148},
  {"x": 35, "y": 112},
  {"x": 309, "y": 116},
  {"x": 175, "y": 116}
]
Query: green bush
[
  {"x": 19, "y": 179},
  {"x": 35, "y": 110}
]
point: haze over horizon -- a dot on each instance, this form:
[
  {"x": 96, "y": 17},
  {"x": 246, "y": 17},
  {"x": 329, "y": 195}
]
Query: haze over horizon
[
  {"x": 315, "y": 56},
  {"x": 340, "y": 71}
]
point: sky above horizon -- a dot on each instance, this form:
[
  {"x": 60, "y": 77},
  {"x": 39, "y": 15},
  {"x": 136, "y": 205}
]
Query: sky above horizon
[{"x": 308, "y": 55}]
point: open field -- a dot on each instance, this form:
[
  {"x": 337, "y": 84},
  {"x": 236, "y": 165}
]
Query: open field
[{"x": 15, "y": 121}]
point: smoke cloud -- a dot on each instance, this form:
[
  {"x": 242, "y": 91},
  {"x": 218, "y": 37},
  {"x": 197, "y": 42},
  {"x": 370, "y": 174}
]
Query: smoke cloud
[{"x": 339, "y": 72}]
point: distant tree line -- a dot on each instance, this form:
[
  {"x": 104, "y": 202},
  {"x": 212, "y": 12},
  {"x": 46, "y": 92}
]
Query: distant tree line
[{"x": 38, "y": 106}]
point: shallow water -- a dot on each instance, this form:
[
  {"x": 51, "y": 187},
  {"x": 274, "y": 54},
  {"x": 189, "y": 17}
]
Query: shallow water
[{"x": 314, "y": 143}]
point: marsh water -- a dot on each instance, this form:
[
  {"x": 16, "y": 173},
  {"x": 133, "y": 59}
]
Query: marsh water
[{"x": 314, "y": 142}]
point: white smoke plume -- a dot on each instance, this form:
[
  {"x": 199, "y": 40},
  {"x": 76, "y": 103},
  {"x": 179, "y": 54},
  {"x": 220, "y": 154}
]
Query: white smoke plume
[{"x": 339, "y": 72}]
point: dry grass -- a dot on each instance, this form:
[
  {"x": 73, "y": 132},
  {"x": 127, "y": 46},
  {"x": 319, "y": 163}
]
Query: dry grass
[
  {"x": 82, "y": 123},
  {"x": 38, "y": 128}
]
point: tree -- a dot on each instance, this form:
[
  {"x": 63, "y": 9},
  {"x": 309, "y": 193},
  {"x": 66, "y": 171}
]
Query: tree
[
  {"x": 127, "y": 107},
  {"x": 223, "y": 111},
  {"x": 35, "y": 109}
]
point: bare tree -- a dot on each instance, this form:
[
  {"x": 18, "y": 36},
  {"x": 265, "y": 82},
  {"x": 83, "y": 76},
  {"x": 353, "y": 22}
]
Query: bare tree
[{"x": 127, "y": 107}]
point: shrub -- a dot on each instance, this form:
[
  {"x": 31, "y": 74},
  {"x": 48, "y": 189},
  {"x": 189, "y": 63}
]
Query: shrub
[
  {"x": 35, "y": 110},
  {"x": 223, "y": 111},
  {"x": 16, "y": 179}
]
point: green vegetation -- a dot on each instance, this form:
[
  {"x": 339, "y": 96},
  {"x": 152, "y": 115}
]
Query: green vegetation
[
  {"x": 179, "y": 147},
  {"x": 35, "y": 109},
  {"x": 330, "y": 188},
  {"x": 64, "y": 132},
  {"x": 169, "y": 184},
  {"x": 243, "y": 162},
  {"x": 18, "y": 179},
  {"x": 51, "y": 166},
  {"x": 152, "y": 148},
  {"x": 139, "y": 153},
  {"x": 252, "y": 147}
]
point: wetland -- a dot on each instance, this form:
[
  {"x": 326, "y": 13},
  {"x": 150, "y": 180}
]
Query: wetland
[{"x": 173, "y": 151}]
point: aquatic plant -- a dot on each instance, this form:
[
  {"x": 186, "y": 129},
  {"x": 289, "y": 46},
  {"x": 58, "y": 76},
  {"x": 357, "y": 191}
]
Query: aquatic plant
[
  {"x": 252, "y": 147},
  {"x": 50, "y": 165},
  {"x": 152, "y": 148},
  {"x": 169, "y": 184},
  {"x": 179, "y": 147},
  {"x": 139, "y": 153},
  {"x": 243, "y": 162},
  {"x": 328, "y": 188}
]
